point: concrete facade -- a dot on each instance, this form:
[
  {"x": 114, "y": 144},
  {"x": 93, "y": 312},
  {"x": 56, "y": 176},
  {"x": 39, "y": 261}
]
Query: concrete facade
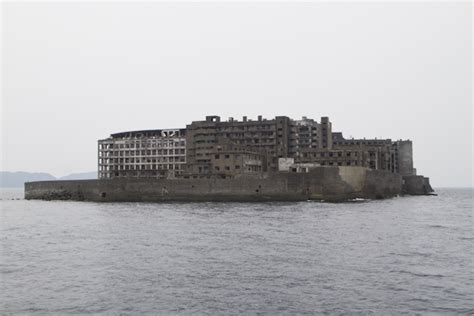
[
  {"x": 305, "y": 140},
  {"x": 289, "y": 165},
  {"x": 416, "y": 185},
  {"x": 404, "y": 156},
  {"x": 269, "y": 137},
  {"x": 192, "y": 152},
  {"x": 309, "y": 135},
  {"x": 151, "y": 153},
  {"x": 374, "y": 154}
]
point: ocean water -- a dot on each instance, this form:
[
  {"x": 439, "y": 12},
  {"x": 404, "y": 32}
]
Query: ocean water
[{"x": 402, "y": 255}]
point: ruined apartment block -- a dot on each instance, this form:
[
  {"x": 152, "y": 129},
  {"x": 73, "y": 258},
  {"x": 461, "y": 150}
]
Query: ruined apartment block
[
  {"x": 149, "y": 153},
  {"x": 267, "y": 137},
  {"x": 229, "y": 160},
  {"x": 305, "y": 141},
  {"x": 225, "y": 149}
]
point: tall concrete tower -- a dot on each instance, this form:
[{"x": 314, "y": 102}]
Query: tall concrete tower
[
  {"x": 326, "y": 133},
  {"x": 405, "y": 158}
]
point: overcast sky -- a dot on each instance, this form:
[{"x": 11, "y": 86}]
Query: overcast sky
[{"x": 75, "y": 73}]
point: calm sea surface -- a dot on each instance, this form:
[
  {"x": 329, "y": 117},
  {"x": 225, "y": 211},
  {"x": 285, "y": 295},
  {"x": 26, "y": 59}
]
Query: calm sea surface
[{"x": 403, "y": 255}]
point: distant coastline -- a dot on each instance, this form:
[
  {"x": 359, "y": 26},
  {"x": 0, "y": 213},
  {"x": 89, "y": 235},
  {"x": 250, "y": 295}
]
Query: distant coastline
[{"x": 17, "y": 179}]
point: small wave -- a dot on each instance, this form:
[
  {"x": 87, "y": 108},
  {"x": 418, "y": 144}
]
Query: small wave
[
  {"x": 437, "y": 226},
  {"x": 421, "y": 254},
  {"x": 358, "y": 200},
  {"x": 453, "y": 310},
  {"x": 8, "y": 271},
  {"x": 419, "y": 274},
  {"x": 410, "y": 254}
]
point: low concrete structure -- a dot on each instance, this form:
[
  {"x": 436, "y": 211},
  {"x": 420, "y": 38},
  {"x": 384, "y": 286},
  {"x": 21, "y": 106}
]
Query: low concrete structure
[
  {"x": 333, "y": 184},
  {"x": 416, "y": 185},
  {"x": 289, "y": 165}
]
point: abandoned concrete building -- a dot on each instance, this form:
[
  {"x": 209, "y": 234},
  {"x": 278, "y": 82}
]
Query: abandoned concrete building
[
  {"x": 149, "y": 153},
  {"x": 305, "y": 141},
  {"x": 268, "y": 137},
  {"x": 215, "y": 148},
  {"x": 228, "y": 160}
]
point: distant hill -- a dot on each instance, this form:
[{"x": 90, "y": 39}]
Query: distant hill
[
  {"x": 18, "y": 179},
  {"x": 80, "y": 176}
]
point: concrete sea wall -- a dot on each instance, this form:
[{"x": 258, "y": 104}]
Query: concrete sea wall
[
  {"x": 333, "y": 184},
  {"x": 416, "y": 185}
]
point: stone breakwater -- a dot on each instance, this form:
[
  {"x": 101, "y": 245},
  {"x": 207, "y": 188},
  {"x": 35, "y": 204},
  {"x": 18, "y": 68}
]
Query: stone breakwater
[{"x": 332, "y": 184}]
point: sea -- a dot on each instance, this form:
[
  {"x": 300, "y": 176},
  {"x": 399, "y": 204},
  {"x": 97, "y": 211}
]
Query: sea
[{"x": 405, "y": 255}]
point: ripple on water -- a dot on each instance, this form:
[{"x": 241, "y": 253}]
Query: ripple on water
[{"x": 404, "y": 255}]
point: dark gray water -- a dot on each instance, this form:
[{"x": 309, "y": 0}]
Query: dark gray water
[{"x": 412, "y": 254}]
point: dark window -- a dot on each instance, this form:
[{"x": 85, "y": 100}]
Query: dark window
[{"x": 216, "y": 156}]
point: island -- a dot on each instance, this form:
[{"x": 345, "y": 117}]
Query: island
[{"x": 279, "y": 159}]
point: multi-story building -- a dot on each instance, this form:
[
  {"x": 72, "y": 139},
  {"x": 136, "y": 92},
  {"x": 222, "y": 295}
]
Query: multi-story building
[
  {"x": 305, "y": 140},
  {"x": 307, "y": 135},
  {"x": 150, "y": 153},
  {"x": 230, "y": 160},
  {"x": 227, "y": 148},
  {"x": 269, "y": 137},
  {"x": 374, "y": 154}
]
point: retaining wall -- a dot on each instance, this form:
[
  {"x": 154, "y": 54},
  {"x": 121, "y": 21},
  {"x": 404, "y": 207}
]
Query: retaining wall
[
  {"x": 417, "y": 185},
  {"x": 322, "y": 183}
]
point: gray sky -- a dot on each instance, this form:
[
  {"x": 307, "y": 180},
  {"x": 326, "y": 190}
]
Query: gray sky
[{"x": 73, "y": 73}]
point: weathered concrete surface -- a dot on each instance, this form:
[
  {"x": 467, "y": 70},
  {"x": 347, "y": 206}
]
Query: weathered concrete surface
[
  {"x": 416, "y": 185},
  {"x": 405, "y": 158},
  {"x": 332, "y": 184}
]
